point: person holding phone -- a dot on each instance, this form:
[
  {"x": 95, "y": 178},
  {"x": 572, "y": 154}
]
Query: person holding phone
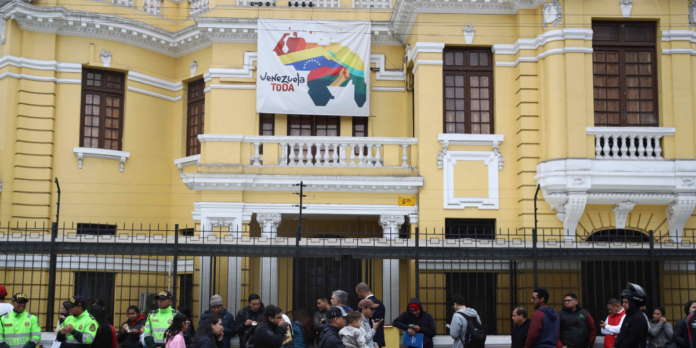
[{"x": 367, "y": 309}]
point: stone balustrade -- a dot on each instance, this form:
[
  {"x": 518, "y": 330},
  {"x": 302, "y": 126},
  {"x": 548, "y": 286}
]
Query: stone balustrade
[
  {"x": 315, "y": 3},
  {"x": 256, "y": 3},
  {"x": 303, "y": 151},
  {"x": 372, "y": 4},
  {"x": 629, "y": 142},
  {"x": 198, "y": 7}
]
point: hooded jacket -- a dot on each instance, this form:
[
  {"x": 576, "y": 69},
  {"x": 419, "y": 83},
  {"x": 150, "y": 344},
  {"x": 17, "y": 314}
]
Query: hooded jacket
[
  {"x": 243, "y": 315},
  {"x": 227, "y": 323},
  {"x": 330, "y": 338},
  {"x": 578, "y": 329},
  {"x": 352, "y": 337},
  {"x": 268, "y": 335},
  {"x": 634, "y": 329},
  {"x": 459, "y": 325},
  {"x": 543, "y": 329},
  {"x": 130, "y": 340},
  {"x": 424, "y": 321}
]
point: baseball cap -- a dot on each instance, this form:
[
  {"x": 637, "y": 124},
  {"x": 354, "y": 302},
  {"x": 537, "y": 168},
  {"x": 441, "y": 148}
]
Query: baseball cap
[
  {"x": 76, "y": 300},
  {"x": 19, "y": 297},
  {"x": 3, "y": 291},
  {"x": 335, "y": 312},
  {"x": 164, "y": 295},
  {"x": 367, "y": 303}
]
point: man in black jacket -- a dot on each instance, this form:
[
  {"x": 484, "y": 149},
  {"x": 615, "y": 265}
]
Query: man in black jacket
[
  {"x": 365, "y": 293},
  {"x": 329, "y": 337},
  {"x": 521, "y": 328},
  {"x": 270, "y": 333},
  {"x": 416, "y": 320},
  {"x": 634, "y": 329},
  {"x": 248, "y": 317},
  {"x": 578, "y": 329}
]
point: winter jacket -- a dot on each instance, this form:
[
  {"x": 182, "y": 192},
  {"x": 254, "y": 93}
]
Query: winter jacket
[
  {"x": 543, "y": 329},
  {"x": 380, "y": 313},
  {"x": 691, "y": 328},
  {"x": 227, "y": 323},
  {"x": 268, "y": 335},
  {"x": 330, "y": 338},
  {"x": 177, "y": 341},
  {"x": 634, "y": 330},
  {"x": 352, "y": 337},
  {"x": 130, "y": 340},
  {"x": 681, "y": 334},
  {"x": 659, "y": 334},
  {"x": 459, "y": 325},
  {"x": 189, "y": 336},
  {"x": 206, "y": 342},
  {"x": 613, "y": 327},
  {"x": 578, "y": 329},
  {"x": 368, "y": 331},
  {"x": 318, "y": 316},
  {"x": 519, "y": 335},
  {"x": 298, "y": 335},
  {"x": 424, "y": 321},
  {"x": 242, "y": 316}
]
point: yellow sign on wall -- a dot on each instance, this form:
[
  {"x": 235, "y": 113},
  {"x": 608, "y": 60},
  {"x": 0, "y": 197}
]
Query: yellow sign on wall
[{"x": 407, "y": 201}]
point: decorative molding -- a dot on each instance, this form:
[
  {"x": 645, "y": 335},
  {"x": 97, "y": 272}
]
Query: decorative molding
[
  {"x": 552, "y": 14},
  {"x": 3, "y": 26},
  {"x": 39, "y": 78},
  {"x": 51, "y": 65},
  {"x": 641, "y": 131},
  {"x": 621, "y": 211},
  {"x": 278, "y": 183},
  {"x": 105, "y": 58},
  {"x": 233, "y": 86},
  {"x": 447, "y": 139},
  {"x": 155, "y": 82},
  {"x": 246, "y": 72},
  {"x": 692, "y": 13},
  {"x": 424, "y": 47},
  {"x": 626, "y": 6},
  {"x": 425, "y": 62},
  {"x": 391, "y": 224},
  {"x": 83, "y": 152},
  {"x": 469, "y": 34},
  {"x": 383, "y": 74},
  {"x": 220, "y": 137},
  {"x": 490, "y": 159},
  {"x": 545, "y": 54},
  {"x": 678, "y": 212},
  {"x": 269, "y": 223},
  {"x": 183, "y": 162},
  {"x": 193, "y": 68},
  {"x": 153, "y": 94},
  {"x": 688, "y": 51},
  {"x": 152, "y": 7},
  {"x": 543, "y": 39}
]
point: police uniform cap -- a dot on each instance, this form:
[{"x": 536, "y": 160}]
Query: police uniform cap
[{"x": 20, "y": 297}]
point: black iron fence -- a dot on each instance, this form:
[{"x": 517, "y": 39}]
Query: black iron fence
[{"x": 494, "y": 270}]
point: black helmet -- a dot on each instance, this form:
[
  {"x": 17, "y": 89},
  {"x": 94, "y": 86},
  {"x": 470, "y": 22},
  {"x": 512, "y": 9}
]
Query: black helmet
[{"x": 635, "y": 293}]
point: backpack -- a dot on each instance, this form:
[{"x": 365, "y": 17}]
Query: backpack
[
  {"x": 475, "y": 335},
  {"x": 249, "y": 337}
]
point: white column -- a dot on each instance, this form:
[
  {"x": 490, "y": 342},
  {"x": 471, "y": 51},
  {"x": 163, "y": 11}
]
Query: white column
[
  {"x": 208, "y": 226},
  {"x": 269, "y": 265},
  {"x": 390, "y": 268},
  {"x": 234, "y": 264}
]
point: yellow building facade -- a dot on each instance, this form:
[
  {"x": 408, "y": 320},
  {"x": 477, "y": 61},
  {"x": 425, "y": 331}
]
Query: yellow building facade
[{"x": 145, "y": 111}]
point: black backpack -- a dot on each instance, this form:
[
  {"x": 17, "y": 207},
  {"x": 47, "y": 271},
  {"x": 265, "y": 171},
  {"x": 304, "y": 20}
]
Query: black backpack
[
  {"x": 475, "y": 335},
  {"x": 249, "y": 337}
]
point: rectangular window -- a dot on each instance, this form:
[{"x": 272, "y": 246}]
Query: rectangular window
[
  {"x": 320, "y": 126},
  {"x": 468, "y": 91},
  {"x": 195, "y": 117},
  {"x": 266, "y": 127},
  {"x": 360, "y": 130},
  {"x": 187, "y": 232},
  {"x": 96, "y": 229},
  {"x": 470, "y": 228},
  {"x": 625, "y": 74},
  {"x": 102, "y": 109}
]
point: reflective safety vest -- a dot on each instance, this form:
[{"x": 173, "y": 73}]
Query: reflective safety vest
[
  {"x": 157, "y": 323},
  {"x": 18, "y": 329},
  {"x": 85, "y": 329}
]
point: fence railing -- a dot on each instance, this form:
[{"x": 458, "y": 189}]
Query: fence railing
[{"x": 495, "y": 270}]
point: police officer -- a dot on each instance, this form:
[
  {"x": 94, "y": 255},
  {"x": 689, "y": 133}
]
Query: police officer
[
  {"x": 80, "y": 328},
  {"x": 159, "y": 320},
  {"x": 19, "y": 329}
]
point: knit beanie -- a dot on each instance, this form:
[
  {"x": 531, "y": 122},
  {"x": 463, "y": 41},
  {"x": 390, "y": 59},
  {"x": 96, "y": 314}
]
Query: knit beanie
[{"x": 216, "y": 300}]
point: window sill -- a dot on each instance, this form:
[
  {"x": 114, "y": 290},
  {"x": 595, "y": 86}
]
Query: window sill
[{"x": 82, "y": 152}]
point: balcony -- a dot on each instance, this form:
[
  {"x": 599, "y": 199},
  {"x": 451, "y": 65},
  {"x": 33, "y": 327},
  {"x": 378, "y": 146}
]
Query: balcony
[
  {"x": 628, "y": 170},
  {"x": 326, "y": 164}
]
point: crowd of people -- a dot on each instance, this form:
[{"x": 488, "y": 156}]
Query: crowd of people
[{"x": 337, "y": 325}]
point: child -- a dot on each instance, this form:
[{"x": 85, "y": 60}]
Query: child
[{"x": 351, "y": 335}]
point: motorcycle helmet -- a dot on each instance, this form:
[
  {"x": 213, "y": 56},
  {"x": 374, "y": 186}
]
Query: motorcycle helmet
[{"x": 635, "y": 293}]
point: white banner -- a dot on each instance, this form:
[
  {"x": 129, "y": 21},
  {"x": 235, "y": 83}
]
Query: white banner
[{"x": 313, "y": 67}]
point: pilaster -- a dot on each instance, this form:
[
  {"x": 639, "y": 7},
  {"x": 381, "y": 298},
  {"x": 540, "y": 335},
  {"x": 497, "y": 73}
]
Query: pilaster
[
  {"x": 269, "y": 223},
  {"x": 390, "y": 268}
]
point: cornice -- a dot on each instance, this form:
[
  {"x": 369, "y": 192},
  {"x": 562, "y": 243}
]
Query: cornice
[{"x": 543, "y": 39}]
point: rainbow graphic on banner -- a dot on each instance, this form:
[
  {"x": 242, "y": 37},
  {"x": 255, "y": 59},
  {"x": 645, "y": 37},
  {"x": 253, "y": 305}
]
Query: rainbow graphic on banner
[{"x": 333, "y": 65}]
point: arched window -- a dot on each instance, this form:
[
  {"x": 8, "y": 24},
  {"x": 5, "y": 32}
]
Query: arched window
[{"x": 618, "y": 235}]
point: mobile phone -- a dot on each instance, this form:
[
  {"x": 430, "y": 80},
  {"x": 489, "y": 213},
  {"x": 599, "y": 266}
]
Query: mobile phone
[{"x": 411, "y": 325}]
